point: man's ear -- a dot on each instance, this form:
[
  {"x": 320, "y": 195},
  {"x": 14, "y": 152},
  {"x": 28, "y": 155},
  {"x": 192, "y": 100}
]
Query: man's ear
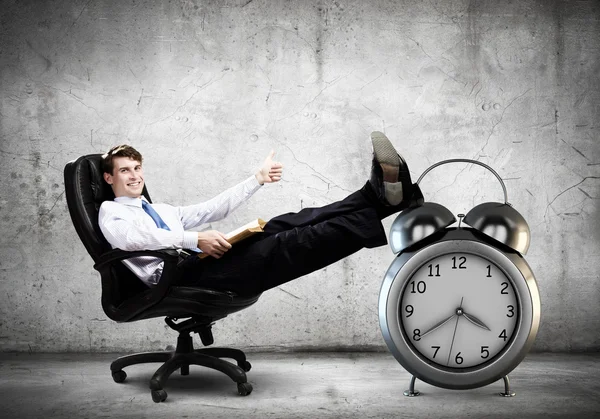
[{"x": 108, "y": 178}]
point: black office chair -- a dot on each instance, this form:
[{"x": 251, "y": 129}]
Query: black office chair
[{"x": 125, "y": 298}]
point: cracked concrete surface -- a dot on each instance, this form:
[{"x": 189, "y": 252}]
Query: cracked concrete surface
[
  {"x": 299, "y": 385},
  {"x": 205, "y": 89}
]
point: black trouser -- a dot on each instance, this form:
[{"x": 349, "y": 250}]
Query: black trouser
[{"x": 292, "y": 245}]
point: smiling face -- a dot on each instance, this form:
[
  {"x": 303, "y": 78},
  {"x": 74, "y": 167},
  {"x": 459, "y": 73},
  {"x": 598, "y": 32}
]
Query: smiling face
[{"x": 127, "y": 178}]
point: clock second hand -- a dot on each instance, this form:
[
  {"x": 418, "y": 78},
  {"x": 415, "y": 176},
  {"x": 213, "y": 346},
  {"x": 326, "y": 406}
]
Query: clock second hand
[{"x": 454, "y": 335}]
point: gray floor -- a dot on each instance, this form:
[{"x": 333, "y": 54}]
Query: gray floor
[{"x": 291, "y": 385}]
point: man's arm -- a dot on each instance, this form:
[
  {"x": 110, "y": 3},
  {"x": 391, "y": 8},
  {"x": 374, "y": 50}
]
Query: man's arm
[
  {"x": 123, "y": 233},
  {"x": 223, "y": 204},
  {"x": 220, "y": 206}
]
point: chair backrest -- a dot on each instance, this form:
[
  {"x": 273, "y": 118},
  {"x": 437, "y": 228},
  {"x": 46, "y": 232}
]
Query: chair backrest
[{"x": 85, "y": 191}]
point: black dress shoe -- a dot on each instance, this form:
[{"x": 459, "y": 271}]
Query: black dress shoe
[{"x": 390, "y": 177}]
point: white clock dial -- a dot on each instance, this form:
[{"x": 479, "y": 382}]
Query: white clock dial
[{"x": 459, "y": 310}]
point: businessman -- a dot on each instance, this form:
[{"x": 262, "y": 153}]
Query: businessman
[{"x": 292, "y": 244}]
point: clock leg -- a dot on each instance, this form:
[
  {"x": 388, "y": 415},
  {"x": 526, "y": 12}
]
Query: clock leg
[
  {"x": 507, "y": 391},
  {"x": 411, "y": 392}
]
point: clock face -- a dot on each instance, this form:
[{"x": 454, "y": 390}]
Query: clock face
[{"x": 458, "y": 310}]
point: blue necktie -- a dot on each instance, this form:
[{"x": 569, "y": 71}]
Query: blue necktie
[
  {"x": 152, "y": 213},
  {"x": 159, "y": 221}
]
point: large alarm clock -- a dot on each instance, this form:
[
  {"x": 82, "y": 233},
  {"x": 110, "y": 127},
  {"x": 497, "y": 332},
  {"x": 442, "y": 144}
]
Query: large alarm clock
[{"x": 459, "y": 306}]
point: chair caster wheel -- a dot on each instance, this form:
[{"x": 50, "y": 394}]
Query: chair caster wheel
[
  {"x": 159, "y": 396},
  {"x": 245, "y": 365},
  {"x": 119, "y": 376},
  {"x": 244, "y": 389}
]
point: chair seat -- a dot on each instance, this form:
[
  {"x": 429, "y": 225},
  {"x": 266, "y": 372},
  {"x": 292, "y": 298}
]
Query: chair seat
[{"x": 188, "y": 301}]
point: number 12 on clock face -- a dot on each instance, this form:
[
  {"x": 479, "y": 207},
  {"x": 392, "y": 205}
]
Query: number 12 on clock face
[{"x": 459, "y": 310}]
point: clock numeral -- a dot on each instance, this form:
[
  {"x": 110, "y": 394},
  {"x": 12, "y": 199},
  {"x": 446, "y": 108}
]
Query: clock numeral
[
  {"x": 505, "y": 287},
  {"x": 489, "y": 274},
  {"x": 417, "y": 334},
  {"x": 511, "y": 311},
  {"x": 420, "y": 288},
  {"x": 409, "y": 309},
  {"x": 503, "y": 335},
  {"x": 484, "y": 352},
  {"x": 459, "y": 360},
  {"x": 437, "y": 348},
  {"x": 462, "y": 260},
  {"x": 437, "y": 270}
]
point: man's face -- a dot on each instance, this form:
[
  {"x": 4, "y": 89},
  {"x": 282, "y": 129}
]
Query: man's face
[{"x": 127, "y": 178}]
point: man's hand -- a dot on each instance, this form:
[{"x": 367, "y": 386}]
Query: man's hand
[
  {"x": 213, "y": 243},
  {"x": 270, "y": 170}
]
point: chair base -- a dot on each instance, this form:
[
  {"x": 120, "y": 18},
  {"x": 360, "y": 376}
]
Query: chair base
[{"x": 181, "y": 359}]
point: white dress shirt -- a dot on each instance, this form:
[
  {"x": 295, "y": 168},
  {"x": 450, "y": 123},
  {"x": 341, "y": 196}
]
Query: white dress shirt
[{"x": 127, "y": 226}]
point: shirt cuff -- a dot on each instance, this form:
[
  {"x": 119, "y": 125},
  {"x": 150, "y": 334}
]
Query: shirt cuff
[
  {"x": 190, "y": 240},
  {"x": 252, "y": 183}
]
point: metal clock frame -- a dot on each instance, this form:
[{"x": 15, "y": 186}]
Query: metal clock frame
[{"x": 460, "y": 240}]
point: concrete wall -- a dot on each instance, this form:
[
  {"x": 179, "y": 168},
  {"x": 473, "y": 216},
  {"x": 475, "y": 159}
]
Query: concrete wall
[{"x": 204, "y": 89}]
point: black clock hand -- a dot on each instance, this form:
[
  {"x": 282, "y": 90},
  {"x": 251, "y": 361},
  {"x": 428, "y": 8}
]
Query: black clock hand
[
  {"x": 437, "y": 326},
  {"x": 475, "y": 320}
]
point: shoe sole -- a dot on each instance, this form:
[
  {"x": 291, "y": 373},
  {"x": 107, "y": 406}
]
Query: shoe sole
[
  {"x": 396, "y": 177},
  {"x": 387, "y": 156}
]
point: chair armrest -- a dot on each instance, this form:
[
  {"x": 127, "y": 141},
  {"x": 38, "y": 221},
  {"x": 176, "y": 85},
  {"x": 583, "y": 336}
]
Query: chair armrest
[
  {"x": 117, "y": 255},
  {"x": 169, "y": 276}
]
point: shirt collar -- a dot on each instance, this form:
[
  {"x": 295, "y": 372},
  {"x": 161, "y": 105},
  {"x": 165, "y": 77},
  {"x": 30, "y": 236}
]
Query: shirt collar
[{"x": 133, "y": 202}]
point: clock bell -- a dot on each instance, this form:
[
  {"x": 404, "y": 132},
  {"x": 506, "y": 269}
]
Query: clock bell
[{"x": 496, "y": 220}]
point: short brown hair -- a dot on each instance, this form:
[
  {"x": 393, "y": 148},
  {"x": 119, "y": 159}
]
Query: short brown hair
[{"x": 123, "y": 150}]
